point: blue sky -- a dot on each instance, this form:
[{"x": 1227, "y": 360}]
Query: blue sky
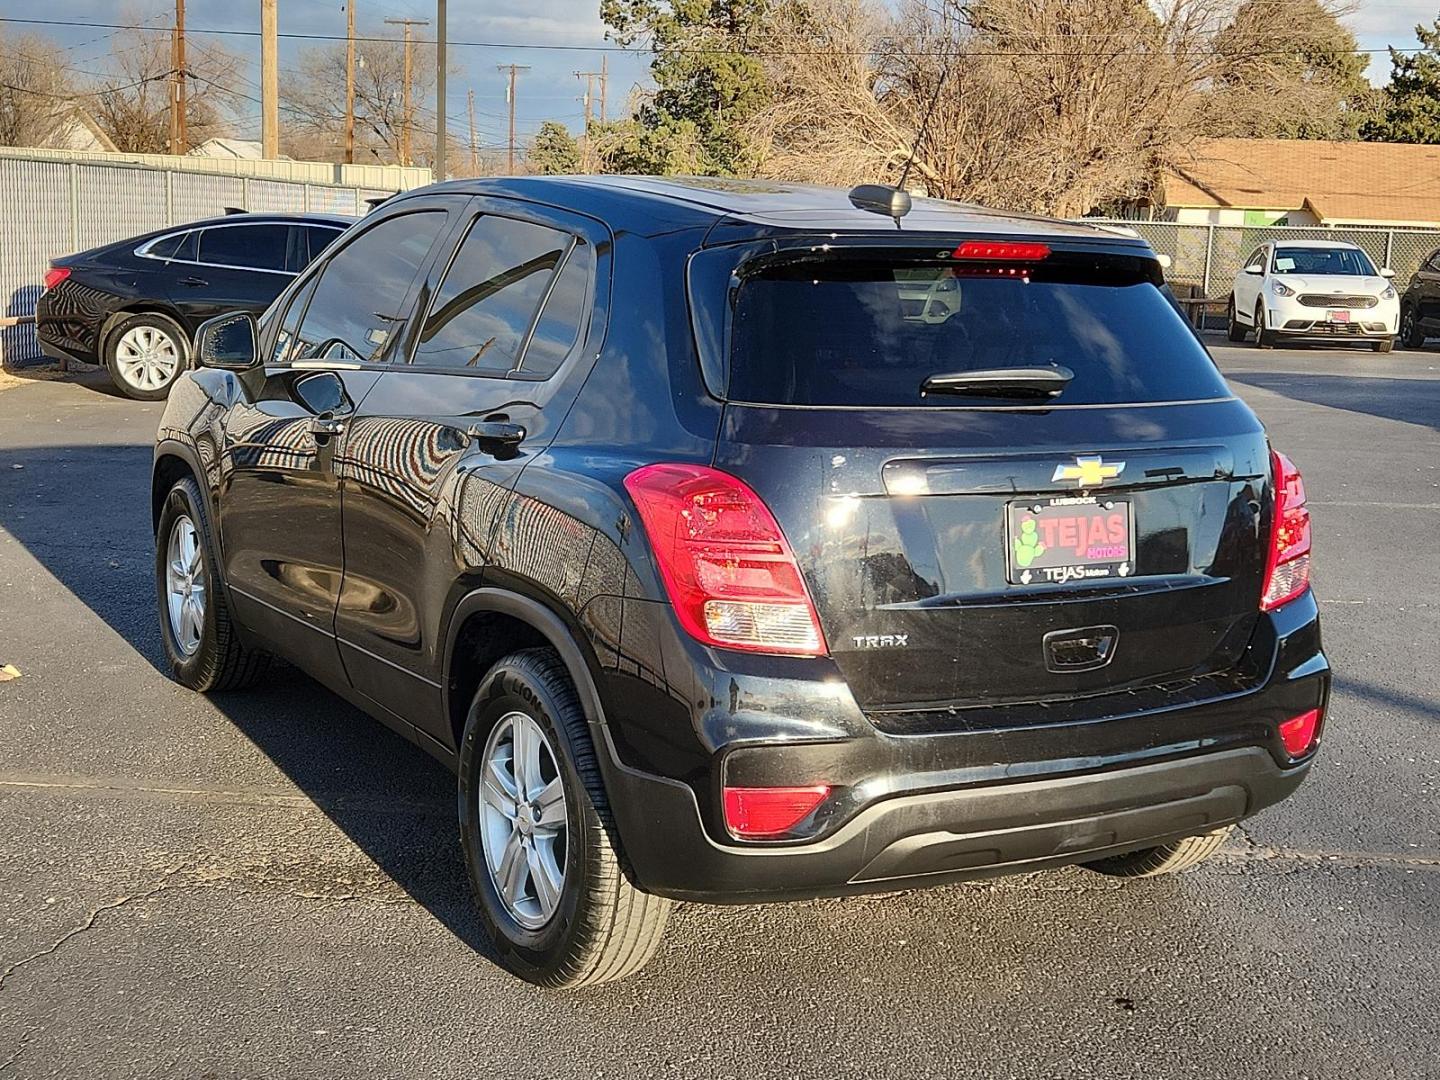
[{"x": 549, "y": 89}]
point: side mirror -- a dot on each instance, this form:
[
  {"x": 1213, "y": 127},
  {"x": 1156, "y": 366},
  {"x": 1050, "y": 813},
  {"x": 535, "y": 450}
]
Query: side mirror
[
  {"x": 1386, "y": 272},
  {"x": 1255, "y": 268},
  {"x": 228, "y": 342}
]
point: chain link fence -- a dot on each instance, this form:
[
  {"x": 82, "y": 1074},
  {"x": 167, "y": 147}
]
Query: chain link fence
[
  {"x": 55, "y": 208},
  {"x": 1204, "y": 259}
]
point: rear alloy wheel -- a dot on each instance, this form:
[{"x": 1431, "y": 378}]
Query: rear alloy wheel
[
  {"x": 539, "y": 839},
  {"x": 1410, "y": 336},
  {"x": 1169, "y": 858},
  {"x": 1265, "y": 339},
  {"x": 145, "y": 354},
  {"x": 1234, "y": 328}
]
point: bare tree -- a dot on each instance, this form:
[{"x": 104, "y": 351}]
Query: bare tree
[
  {"x": 1054, "y": 106},
  {"x": 132, "y": 97},
  {"x": 313, "y": 108},
  {"x": 35, "y": 90}
]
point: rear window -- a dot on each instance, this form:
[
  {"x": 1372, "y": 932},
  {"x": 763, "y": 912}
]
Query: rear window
[{"x": 869, "y": 333}]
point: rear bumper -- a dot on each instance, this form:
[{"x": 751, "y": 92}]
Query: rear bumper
[
  {"x": 915, "y": 810},
  {"x": 66, "y": 330},
  {"x": 950, "y": 835}
]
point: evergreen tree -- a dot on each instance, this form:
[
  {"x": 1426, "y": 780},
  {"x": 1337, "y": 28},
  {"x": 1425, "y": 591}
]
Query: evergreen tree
[
  {"x": 554, "y": 151},
  {"x": 1411, "y": 111}
]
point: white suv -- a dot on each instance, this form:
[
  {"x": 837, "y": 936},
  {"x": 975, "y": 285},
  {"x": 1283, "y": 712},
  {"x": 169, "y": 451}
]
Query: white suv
[{"x": 1313, "y": 289}]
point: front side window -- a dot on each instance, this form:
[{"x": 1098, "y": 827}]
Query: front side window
[
  {"x": 484, "y": 307},
  {"x": 288, "y": 345},
  {"x": 357, "y": 307},
  {"x": 1347, "y": 262},
  {"x": 251, "y": 247}
]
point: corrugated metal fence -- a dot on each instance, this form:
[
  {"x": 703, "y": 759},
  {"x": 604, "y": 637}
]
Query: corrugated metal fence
[
  {"x": 1204, "y": 259},
  {"x": 52, "y": 208}
]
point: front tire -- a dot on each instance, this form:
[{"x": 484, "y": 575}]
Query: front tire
[
  {"x": 1172, "y": 858},
  {"x": 1264, "y": 339},
  {"x": 1235, "y": 330},
  {"x": 1411, "y": 336},
  {"x": 540, "y": 844},
  {"x": 145, "y": 354},
  {"x": 201, "y": 644}
]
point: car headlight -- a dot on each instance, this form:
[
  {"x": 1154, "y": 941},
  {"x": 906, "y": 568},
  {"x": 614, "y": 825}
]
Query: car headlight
[
  {"x": 1389, "y": 293},
  {"x": 1281, "y": 289}
]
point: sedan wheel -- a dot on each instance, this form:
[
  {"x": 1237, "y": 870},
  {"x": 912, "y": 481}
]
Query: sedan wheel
[
  {"x": 185, "y": 585},
  {"x": 523, "y": 820},
  {"x": 147, "y": 358}
]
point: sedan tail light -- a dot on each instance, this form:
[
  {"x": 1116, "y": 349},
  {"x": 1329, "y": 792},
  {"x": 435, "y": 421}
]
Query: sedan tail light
[
  {"x": 55, "y": 275},
  {"x": 1287, "y": 566},
  {"x": 725, "y": 563}
]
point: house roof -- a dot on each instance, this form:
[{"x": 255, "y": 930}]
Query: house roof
[
  {"x": 1338, "y": 181},
  {"x": 229, "y": 148}
]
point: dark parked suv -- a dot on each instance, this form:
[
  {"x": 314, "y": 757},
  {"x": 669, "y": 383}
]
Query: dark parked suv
[
  {"x": 134, "y": 305},
  {"x": 735, "y": 543}
]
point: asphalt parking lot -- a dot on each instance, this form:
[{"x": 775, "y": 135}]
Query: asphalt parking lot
[{"x": 270, "y": 884}]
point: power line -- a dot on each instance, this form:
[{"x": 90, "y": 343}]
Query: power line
[{"x": 690, "y": 51}]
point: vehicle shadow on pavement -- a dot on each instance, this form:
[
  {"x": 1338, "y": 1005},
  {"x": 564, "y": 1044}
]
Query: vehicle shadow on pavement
[
  {"x": 1411, "y": 401},
  {"x": 390, "y": 798}
]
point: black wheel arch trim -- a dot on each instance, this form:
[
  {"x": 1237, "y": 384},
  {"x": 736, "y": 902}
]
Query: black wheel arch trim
[{"x": 169, "y": 446}]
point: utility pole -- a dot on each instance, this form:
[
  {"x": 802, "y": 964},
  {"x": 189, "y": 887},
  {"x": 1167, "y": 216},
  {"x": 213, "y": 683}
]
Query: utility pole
[
  {"x": 474, "y": 150},
  {"x": 177, "y": 82},
  {"x": 513, "y": 69},
  {"x": 589, "y": 77},
  {"x": 604, "y": 83},
  {"x": 269, "y": 80},
  {"x": 350, "y": 82},
  {"x": 406, "y": 116},
  {"x": 438, "y": 165}
]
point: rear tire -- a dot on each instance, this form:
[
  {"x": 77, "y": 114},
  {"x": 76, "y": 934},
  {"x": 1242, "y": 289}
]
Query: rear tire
[
  {"x": 594, "y": 925},
  {"x": 1383, "y": 346},
  {"x": 1235, "y": 330},
  {"x": 201, "y": 644},
  {"x": 1264, "y": 339},
  {"x": 1411, "y": 336},
  {"x": 1172, "y": 858},
  {"x": 145, "y": 354}
]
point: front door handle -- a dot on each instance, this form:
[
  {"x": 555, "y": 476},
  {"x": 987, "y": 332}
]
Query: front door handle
[
  {"x": 497, "y": 436},
  {"x": 194, "y": 282},
  {"x": 326, "y": 426}
]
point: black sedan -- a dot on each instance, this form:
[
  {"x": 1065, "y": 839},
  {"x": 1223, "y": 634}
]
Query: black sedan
[{"x": 134, "y": 305}]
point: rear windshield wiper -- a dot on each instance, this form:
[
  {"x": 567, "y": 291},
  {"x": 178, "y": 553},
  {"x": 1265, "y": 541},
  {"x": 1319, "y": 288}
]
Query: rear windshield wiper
[{"x": 1008, "y": 382}]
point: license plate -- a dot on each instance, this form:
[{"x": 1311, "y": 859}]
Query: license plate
[
  {"x": 1052, "y": 541},
  {"x": 1339, "y": 316}
]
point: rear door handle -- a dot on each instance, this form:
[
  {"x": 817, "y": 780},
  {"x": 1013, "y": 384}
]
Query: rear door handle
[
  {"x": 497, "y": 435},
  {"x": 326, "y": 425}
]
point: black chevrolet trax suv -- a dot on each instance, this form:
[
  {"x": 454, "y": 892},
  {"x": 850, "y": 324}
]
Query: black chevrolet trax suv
[{"x": 734, "y": 542}]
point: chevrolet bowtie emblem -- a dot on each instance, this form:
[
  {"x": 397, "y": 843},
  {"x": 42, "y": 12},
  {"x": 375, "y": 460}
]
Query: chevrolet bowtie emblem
[{"x": 1088, "y": 472}]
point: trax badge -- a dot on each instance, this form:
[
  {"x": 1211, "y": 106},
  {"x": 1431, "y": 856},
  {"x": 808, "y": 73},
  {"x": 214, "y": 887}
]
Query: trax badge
[{"x": 1088, "y": 472}]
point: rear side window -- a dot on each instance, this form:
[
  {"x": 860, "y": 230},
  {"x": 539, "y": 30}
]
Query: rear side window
[
  {"x": 359, "y": 304},
  {"x": 484, "y": 307},
  {"x": 317, "y": 239},
  {"x": 869, "y": 333},
  {"x": 165, "y": 247},
  {"x": 563, "y": 317},
  {"x": 251, "y": 247}
]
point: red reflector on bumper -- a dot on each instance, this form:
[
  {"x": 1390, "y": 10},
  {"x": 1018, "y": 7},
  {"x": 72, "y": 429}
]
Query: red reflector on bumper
[
  {"x": 1298, "y": 733},
  {"x": 766, "y": 813}
]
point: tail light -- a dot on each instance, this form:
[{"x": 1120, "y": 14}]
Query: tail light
[
  {"x": 726, "y": 565},
  {"x": 1287, "y": 568},
  {"x": 1298, "y": 733},
  {"x": 55, "y": 275},
  {"x": 769, "y": 813}
]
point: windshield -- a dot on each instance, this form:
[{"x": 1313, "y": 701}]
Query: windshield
[
  {"x": 1347, "y": 262},
  {"x": 869, "y": 333}
]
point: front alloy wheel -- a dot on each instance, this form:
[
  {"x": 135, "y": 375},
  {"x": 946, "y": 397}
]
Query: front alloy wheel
[
  {"x": 523, "y": 820},
  {"x": 185, "y": 585}
]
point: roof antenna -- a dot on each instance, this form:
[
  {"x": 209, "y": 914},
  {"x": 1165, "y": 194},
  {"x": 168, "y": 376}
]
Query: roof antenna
[{"x": 895, "y": 201}]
